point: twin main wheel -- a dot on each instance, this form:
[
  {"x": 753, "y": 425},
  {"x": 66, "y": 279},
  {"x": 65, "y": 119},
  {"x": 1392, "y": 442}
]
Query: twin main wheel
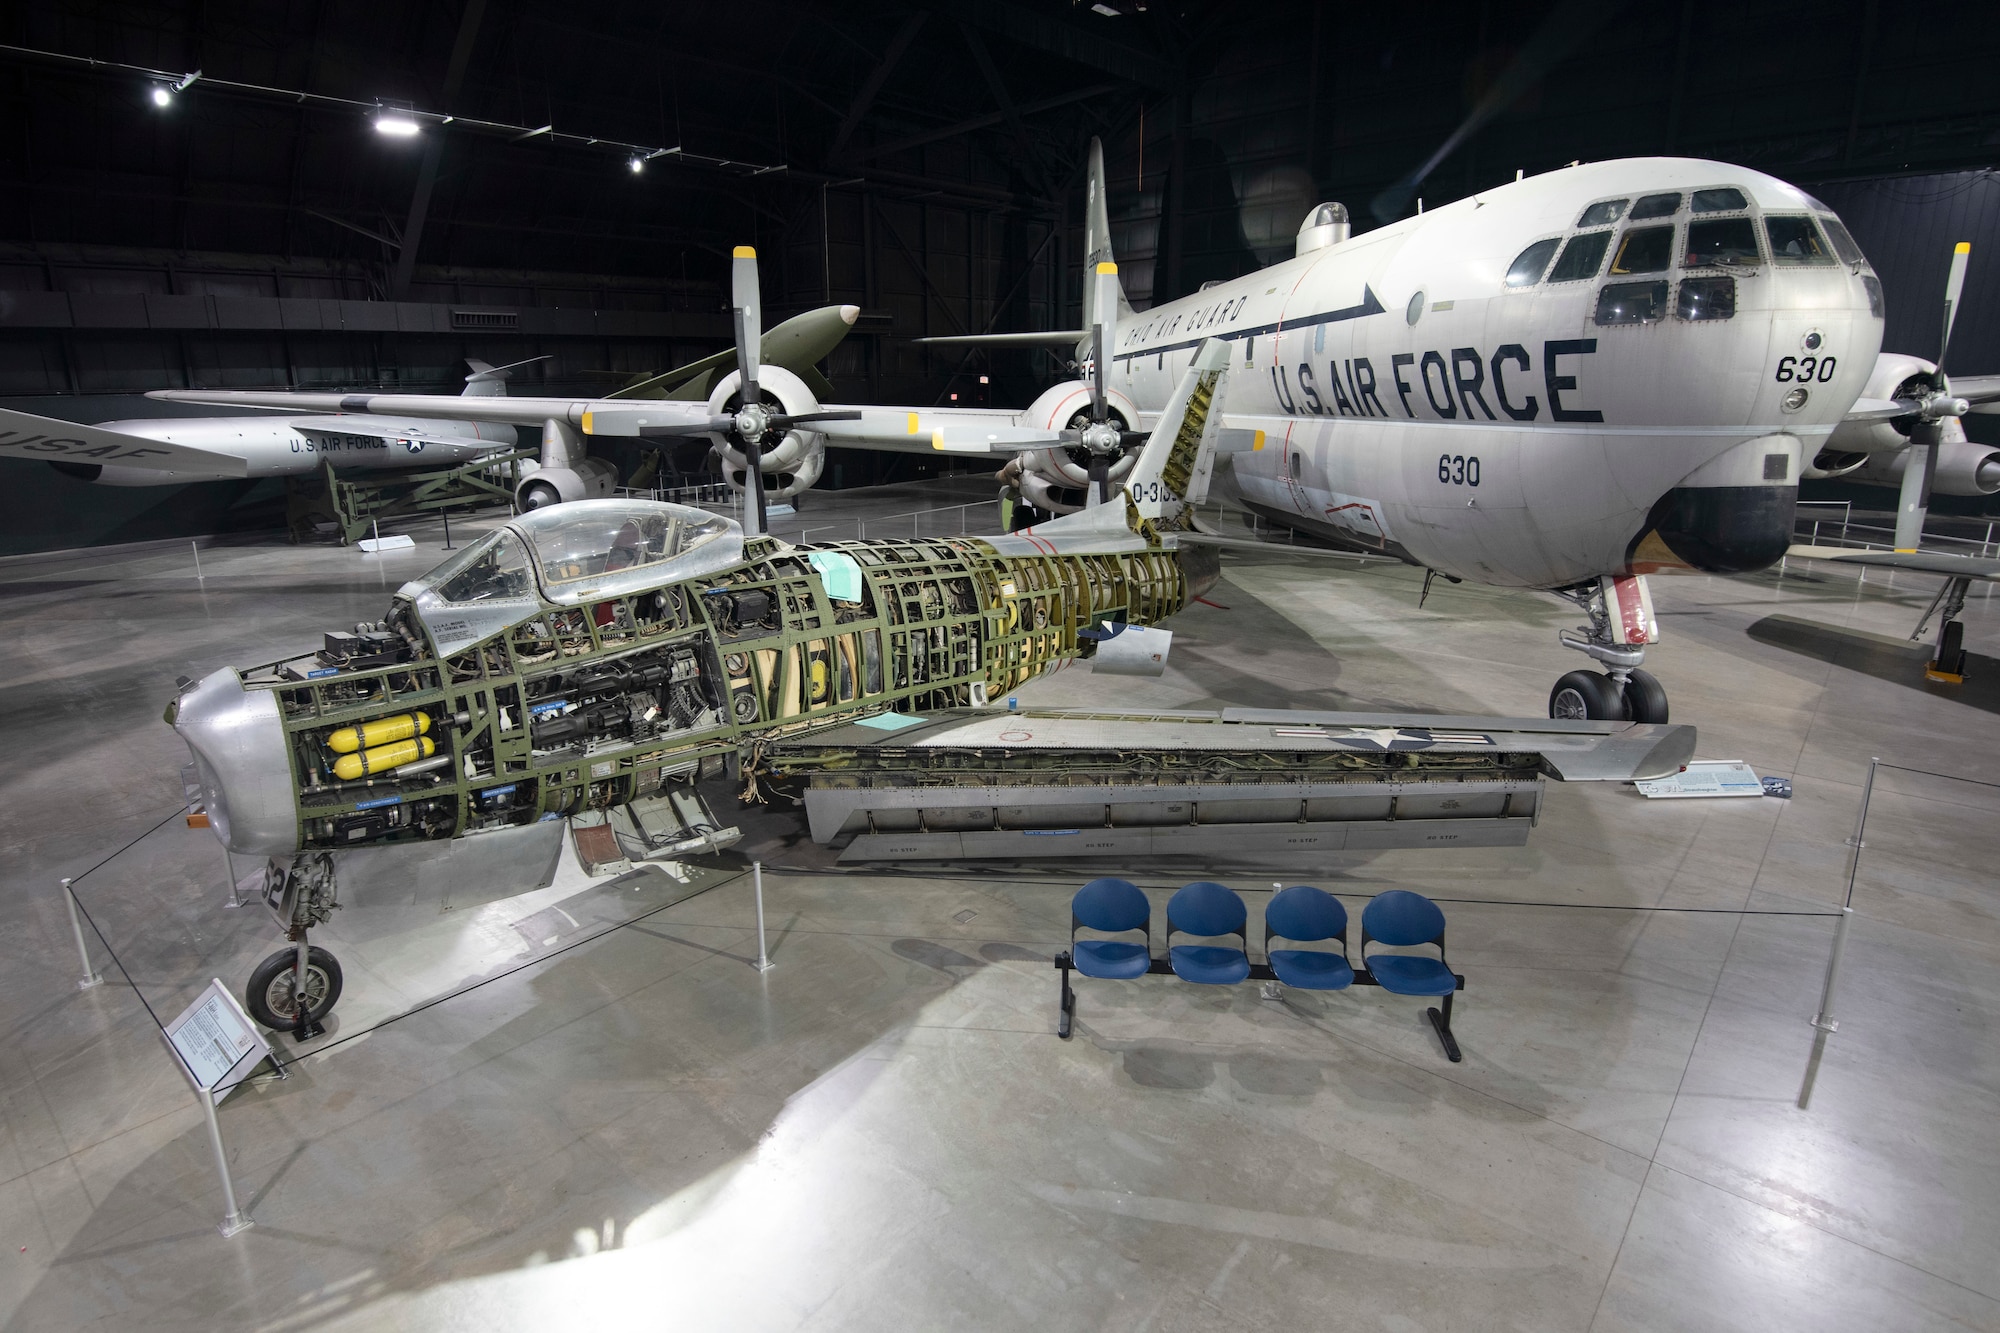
[{"x": 1594, "y": 696}]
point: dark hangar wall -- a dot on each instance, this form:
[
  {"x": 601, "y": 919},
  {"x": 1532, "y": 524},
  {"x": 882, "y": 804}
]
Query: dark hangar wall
[{"x": 929, "y": 161}]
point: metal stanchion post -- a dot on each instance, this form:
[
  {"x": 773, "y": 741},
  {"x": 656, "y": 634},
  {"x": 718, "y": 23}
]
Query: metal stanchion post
[
  {"x": 235, "y": 1219},
  {"x": 196, "y": 548},
  {"x": 90, "y": 977},
  {"x": 757, "y": 879},
  {"x": 1824, "y": 1019}
]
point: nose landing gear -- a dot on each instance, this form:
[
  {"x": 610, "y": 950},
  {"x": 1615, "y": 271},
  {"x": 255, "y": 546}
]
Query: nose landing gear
[
  {"x": 1621, "y": 625},
  {"x": 296, "y": 987}
]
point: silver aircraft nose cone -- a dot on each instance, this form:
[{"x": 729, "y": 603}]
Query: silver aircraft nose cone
[{"x": 238, "y": 742}]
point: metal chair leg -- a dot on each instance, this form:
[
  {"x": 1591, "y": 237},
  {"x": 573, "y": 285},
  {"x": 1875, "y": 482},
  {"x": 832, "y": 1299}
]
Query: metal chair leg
[
  {"x": 1067, "y": 1011},
  {"x": 1441, "y": 1020}
]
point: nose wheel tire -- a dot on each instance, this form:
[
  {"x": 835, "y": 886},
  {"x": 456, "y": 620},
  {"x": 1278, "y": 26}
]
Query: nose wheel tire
[
  {"x": 1587, "y": 695},
  {"x": 270, "y": 998},
  {"x": 1645, "y": 697}
]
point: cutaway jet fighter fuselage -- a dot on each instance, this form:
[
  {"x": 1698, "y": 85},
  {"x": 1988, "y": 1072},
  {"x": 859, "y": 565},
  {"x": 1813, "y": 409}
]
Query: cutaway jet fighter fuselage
[{"x": 589, "y": 657}]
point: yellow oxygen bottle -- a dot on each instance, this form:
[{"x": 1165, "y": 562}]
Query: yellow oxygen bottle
[
  {"x": 379, "y": 732},
  {"x": 384, "y": 757}
]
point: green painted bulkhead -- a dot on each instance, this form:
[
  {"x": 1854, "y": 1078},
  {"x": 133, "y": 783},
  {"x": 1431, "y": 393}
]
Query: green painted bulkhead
[{"x": 527, "y": 723}]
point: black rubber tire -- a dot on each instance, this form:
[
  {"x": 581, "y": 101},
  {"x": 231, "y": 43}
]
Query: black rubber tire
[
  {"x": 1586, "y": 694},
  {"x": 269, "y": 994},
  {"x": 1645, "y": 697},
  {"x": 1951, "y": 649},
  {"x": 538, "y": 495}
]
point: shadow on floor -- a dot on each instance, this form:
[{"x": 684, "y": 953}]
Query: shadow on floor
[{"x": 1884, "y": 659}]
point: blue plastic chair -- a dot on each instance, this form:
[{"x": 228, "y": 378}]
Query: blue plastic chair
[
  {"x": 1307, "y": 915},
  {"x": 1108, "y": 905},
  {"x": 1207, "y": 908},
  {"x": 1401, "y": 919}
]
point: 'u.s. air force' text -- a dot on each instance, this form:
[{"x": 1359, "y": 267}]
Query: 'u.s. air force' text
[{"x": 1460, "y": 384}]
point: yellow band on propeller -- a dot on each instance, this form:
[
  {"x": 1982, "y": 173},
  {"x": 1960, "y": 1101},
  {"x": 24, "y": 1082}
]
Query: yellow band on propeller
[
  {"x": 745, "y": 252},
  {"x": 1106, "y": 266}
]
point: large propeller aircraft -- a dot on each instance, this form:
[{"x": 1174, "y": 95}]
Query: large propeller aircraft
[{"x": 1565, "y": 383}]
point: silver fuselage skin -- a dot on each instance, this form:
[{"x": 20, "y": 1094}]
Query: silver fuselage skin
[{"x": 289, "y": 446}]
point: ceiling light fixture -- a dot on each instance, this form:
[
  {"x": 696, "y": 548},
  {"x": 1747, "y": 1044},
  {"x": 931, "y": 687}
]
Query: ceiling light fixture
[
  {"x": 396, "y": 125},
  {"x": 162, "y": 95},
  {"x": 637, "y": 164}
]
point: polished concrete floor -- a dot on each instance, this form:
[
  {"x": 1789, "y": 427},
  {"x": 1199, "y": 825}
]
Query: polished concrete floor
[{"x": 635, "y": 1128}]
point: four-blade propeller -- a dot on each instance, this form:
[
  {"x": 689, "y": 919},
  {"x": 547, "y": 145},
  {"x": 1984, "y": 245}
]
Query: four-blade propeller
[{"x": 755, "y": 422}]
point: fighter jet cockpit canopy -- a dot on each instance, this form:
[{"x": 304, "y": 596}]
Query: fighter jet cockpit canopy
[
  {"x": 1326, "y": 225},
  {"x": 587, "y": 550}
]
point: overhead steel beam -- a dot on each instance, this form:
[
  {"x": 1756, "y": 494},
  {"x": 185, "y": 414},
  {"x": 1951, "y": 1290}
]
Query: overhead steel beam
[
  {"x": 878, "y": 76},
  {"x": 420, "y": 202},
  {"x": 1098, "y": 50},
  {"x": 1031, "y": 167},
  {"x": 982, "y": 122}
]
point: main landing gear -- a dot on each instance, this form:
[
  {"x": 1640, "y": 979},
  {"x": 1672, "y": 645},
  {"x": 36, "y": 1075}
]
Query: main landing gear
[
  {"x": 1948, "y": 663},
  {"x": 1621, "y": 625}
]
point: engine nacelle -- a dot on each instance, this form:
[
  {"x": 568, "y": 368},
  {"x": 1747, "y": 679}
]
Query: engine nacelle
[
  {"x": 1894, "y": 376},
  {"x": 1831, "y": 463},
  {"x": 1963, "y": 468},
  {"x": 1067, "y": 407},
  {"x": 792, "y": 465},
  {"x": 586, "y": 479}
]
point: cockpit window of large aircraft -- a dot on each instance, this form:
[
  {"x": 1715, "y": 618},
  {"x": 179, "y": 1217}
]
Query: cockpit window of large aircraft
[
  {"x": 1527, "y": 270},
  {"x": 1707, "y": 298},
  {"x": 1796, "y": 241},
  {"x": 1729, "y": 242},
  {"x": 1723, "y": 200},
  {"x": 1582, "y": 255},
  {"x": 1645, "y": 250},
  {"x": 1597, "y": 215},
  {"x": 1843, "y": 241},
  {"x": 1656, "y": 206}
]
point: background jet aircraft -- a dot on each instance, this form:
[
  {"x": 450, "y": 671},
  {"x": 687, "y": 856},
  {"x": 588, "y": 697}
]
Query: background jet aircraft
[{"x": 158, "y": 451}]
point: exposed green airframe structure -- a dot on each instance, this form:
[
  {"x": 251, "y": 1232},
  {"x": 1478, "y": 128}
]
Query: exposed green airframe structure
[{"x": 598, "y": 656}]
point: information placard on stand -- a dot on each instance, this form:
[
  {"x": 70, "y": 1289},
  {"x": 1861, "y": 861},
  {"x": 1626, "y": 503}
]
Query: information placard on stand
[
  {"x": 216, "y": 1045},
  {"x": 215, "y": 1042}
]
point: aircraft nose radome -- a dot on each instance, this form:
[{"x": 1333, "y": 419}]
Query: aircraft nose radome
[
  {"x": 850, "y": 313},
  {"x": 238, "y": 742}
]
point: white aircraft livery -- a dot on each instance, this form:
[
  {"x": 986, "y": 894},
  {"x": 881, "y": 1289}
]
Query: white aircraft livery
[{"x": 1609, "y": 369}]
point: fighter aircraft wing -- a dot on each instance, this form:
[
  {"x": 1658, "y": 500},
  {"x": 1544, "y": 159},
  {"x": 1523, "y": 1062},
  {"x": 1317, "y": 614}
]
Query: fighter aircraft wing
[
  {"x": 1567, "y": 751},
  {"x": 23, "y": 435},
  {"x": 1920, "y": 562}
]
